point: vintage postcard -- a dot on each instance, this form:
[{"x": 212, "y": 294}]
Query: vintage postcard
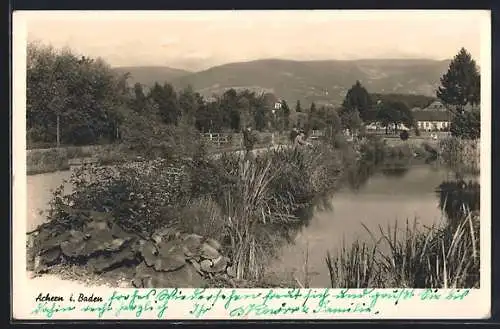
[{"x": 251, "y": 165}]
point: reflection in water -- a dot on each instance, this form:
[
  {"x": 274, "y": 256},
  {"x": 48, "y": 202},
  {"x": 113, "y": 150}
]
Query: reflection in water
[
  {"x": 458, "y": 196},
  {"x": 358, "y": 175}
]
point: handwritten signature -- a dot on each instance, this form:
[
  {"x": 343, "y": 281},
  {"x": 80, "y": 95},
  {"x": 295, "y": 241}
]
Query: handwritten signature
[{"x": 245, "y": 303}]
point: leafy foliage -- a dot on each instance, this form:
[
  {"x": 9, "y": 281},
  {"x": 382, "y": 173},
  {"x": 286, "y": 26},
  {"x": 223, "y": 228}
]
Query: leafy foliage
[
  {"x": 394, "y": 113},
  {"x": 85, "y": 93}
]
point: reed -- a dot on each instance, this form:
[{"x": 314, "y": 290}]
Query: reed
[{"x": 440, "y": 256}]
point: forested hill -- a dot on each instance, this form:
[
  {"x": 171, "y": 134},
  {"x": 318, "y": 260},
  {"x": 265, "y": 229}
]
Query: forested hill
[
  {"x": 319, "y": 81},
  {"x": 148, "y": 75}
]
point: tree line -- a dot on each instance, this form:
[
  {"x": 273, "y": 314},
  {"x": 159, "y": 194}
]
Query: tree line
[{"x": 80, "y": 101}]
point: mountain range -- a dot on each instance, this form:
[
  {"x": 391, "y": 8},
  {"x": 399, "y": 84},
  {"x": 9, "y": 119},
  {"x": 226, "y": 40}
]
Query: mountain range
[{"x": 324, "y": 82}]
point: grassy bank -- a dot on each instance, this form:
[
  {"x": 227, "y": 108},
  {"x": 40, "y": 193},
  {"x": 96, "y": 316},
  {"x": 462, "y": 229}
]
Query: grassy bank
[{"x": 39, "y": 161}]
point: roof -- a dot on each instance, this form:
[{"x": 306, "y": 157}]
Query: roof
[
  {"x": 435, "y": 106},
  {"x": 431, "y": 115}
]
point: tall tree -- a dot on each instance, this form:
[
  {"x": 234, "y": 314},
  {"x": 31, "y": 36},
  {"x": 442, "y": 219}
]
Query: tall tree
[
  {"x": 167, "y": 103},
  {"x": 286, "y": 114},
  {"x": 139, "y": 102},
  {"x": 298, "y": 109},
  {"x": 189, "y": 102},
  {"x": 460, "y": 85},
  {"x": 358, "y": 99}
]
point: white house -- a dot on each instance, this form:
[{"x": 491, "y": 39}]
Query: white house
[{"x": 432, "y": 120}]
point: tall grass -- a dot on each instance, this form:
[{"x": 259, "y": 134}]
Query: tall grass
[
  {"x": 440, "y": 256},
  {"x": 461, "y": 154},
  {"x": 263, "y": 206}
]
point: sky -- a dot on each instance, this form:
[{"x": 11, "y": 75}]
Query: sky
[{"x": 200, "y": 39}]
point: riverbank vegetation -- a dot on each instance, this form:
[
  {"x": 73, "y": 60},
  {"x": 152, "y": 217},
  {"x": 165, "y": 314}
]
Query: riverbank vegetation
[
  {"x": 444, "y": 255},
  {"x": 461, "y": 154},
  {"x": 440, "y": 256}
]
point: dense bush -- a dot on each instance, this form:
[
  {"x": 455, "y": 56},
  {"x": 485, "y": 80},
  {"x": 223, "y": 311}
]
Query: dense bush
[{"x": 141, "y": 195}]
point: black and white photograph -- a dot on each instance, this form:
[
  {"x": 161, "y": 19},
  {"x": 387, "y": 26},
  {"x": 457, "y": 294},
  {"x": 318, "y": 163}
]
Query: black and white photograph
[{"x": 255, "y": 149}]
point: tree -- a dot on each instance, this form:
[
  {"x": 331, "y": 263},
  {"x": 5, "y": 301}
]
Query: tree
[
  {"x": 395, "y": 113},
  {"x": 189, "y": 102},
  {"x": 81, "y": 96},
  {"x": 312, "y": 109},
  {"x": 286, "y": 114},
  {"x": 166, "y": 102},
  {"x": 140, "y": 100},
  {"x": 298, "y": 109},
  {"x": 332, "y": 121},
  {"x": 460, "y": 85},
  {"x": 358, "y": 99},
  {"x": 466, "y": 125},
  {"x": 209, "y": 118},
  {"x": 350, "y": 119}
]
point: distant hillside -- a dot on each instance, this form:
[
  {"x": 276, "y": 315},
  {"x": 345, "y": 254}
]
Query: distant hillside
[
  {"x": 320, "y": 81},
  {"x": 148, "y": 75},
  {"x": 412, "y": 101}
]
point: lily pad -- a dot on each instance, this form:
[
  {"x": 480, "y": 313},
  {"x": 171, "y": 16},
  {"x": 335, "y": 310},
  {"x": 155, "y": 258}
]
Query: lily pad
[
  {"x": 118, "y": 232},
  {"x": 149, "y": 253},
  {"x": 102, "y": 263},
  {"x": 143, "y": 270},
  {"x": 97, "y": 225},
  {"x": 209, "y": 252},
  {"x": 214, "y": 244},
  {"x": 55, "y": 241},
  {"x": 74, "y": 248},
  {"x": 171, "y": 248},
  {"x": 169, "y": 263},
  {"x": 192, "y": 244},
  {"x": 50, "y": 256},
  {"x": 115, "y": 244},
  {"x": 219, "y": 265},
  {"x": 186, "y": 277}
]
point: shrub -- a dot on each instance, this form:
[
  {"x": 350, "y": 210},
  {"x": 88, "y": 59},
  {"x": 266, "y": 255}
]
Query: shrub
[{"x": 141, "y": 195}]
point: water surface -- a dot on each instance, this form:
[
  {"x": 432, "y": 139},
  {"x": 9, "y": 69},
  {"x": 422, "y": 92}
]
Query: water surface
[{"x": 382, "y": 199}]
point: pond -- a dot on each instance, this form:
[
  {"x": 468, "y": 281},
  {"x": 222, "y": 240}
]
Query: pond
[{"x": 374, "y": 198}]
